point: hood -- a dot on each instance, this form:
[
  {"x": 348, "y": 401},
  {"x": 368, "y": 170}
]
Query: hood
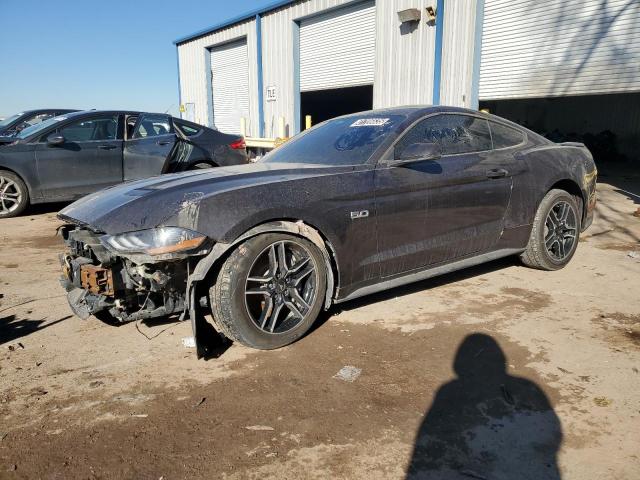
[{"x": 163, "y": 200}]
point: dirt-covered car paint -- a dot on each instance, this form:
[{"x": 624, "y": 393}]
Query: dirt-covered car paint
[{"x": 379, "y": 223}]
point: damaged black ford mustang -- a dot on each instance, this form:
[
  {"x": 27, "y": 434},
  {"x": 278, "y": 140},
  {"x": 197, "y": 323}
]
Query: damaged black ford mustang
[{"x": 355, "y": 205}]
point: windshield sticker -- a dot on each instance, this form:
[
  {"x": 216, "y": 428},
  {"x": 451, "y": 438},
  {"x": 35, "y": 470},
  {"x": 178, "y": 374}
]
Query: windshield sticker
[{"x": 370, "y": 122}]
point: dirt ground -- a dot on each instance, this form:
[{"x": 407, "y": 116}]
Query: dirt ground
[{"x": 497, "y": 372}]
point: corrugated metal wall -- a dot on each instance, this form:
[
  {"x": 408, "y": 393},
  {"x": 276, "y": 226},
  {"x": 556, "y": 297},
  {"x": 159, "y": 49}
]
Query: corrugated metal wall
[
  {"x": 404, "y": 59},
  {"x": 277, "y": 59},
  {"x": 458, "y": 50},
  {"x": 404, "y": 56},
  {"x": 549, "y": 48},
  {"x": 193, "y": 76}
]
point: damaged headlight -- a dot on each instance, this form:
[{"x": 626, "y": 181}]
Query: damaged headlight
[{"x": 156, "y": 241}]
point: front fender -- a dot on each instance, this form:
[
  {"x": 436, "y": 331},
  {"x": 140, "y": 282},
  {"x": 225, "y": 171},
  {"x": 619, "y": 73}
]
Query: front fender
[{"x": 200, "y": 327}]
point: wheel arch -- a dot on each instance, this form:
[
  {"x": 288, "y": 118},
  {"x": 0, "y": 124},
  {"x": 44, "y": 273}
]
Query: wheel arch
[
  {"x": 21, "y": 177},
  {"x": 572, "y": 188},
  {"x": 209, "y": 265}
]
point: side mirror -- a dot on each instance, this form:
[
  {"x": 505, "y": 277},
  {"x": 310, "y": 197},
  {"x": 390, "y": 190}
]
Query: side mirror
[
  {"x": 55, "y": 139},
  {"x": 418, "y": 151}
]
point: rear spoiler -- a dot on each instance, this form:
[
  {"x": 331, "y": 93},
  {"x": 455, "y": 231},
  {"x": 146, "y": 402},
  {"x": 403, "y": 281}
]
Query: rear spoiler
[{"x": 5, "y": 140}]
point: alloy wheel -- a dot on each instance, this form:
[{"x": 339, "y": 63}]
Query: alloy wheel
[
  {"x": 281, "y": 287},
  {"x": 10, "y": 195},
  {"x": 560, "y": 230}
]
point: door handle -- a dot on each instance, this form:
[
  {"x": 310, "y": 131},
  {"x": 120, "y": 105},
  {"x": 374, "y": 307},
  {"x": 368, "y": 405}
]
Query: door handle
[
  {"x": 106, "y": 147},
  {"x": 497, "y": 173},
  {"x": 163, "y": 142}
]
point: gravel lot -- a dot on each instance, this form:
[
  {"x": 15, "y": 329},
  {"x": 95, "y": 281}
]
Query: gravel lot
[{"x": 546, "y": 381}]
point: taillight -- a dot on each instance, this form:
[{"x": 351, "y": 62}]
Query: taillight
[{"x": 238, "y": 144}]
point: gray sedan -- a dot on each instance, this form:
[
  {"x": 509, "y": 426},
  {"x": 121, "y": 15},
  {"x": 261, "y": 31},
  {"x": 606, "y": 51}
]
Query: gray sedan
[{"x": 69, "y": 156}]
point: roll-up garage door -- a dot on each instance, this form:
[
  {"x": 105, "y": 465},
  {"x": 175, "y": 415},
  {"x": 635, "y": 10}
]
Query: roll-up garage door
[
  {"x": 230, "y": 85},
  {"x": 555, "y": 48},
  {"x": 337, "y": 49}
]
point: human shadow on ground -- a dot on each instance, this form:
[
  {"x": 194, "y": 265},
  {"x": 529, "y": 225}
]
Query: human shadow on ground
[{"x": 487, "y": 424}]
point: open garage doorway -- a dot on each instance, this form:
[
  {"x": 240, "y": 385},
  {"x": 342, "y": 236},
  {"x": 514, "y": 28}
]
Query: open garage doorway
[
  {"x": 322, "y": 105},
  {"x": 609, "y": 125}
]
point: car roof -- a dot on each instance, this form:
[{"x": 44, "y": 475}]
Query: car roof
[
  {"x": 46, "y": 110},
  {"x": 420, "y": 109},
  {"x": 37, "y": 111},
  {"x": 91, "y": 112},
  {"x": 414, "y": 112}
]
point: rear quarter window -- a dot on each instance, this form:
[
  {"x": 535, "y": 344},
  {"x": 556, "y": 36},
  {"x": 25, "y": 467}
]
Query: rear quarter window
[
  {"x": 188, "y": 130},
  {"x": 504, "y": 136},
  {"x": 455, "y": 133}
]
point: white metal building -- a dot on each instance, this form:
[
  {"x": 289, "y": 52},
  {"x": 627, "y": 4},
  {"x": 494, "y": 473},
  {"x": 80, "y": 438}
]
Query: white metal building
[{"x": 545, "y": 63}]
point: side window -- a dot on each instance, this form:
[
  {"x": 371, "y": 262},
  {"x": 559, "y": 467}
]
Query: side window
[
  {"x": 101, "y": 128},
  {"x": 454, "y": 134},
  {"x": 188, "y": 129},
  {"x": 152, "y": 126},
  {"x": 33, "y": 120},
  {"x": 505, "y": 136},
  {"x": 131, "y": 123},
  {"x": 41, "y": 117}
]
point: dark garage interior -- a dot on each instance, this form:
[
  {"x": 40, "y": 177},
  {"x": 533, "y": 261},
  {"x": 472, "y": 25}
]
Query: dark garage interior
[
  {"x": 325, "y": 104},
  {"x": 609, "y": 125}
]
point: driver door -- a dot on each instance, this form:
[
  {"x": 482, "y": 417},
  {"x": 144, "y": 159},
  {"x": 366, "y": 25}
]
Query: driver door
[
  {"x": 435, "y": 210},
  {"x": 147, "y": 151}
]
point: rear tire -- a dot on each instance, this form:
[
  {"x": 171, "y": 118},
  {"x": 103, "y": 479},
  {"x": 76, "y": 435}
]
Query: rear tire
[
  {"x": 14, "y": 195},
  {"x": 269, "y": 291},
  {"x": 555, "y": 233}
]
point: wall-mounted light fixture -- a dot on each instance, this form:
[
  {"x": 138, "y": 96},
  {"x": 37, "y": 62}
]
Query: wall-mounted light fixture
[
  {"x": 431, "y": 14},
  {"x": 409, "y": 15}
]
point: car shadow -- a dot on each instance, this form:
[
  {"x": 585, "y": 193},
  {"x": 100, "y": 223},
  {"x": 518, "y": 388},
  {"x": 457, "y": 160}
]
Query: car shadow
[
  {"x": 487, "y": 424},
  {"x": 42, "y": 208},
  {"x": 415, "y": 287}
]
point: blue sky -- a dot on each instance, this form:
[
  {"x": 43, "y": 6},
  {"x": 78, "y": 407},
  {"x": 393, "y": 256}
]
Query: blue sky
[{"x": 99, "y": 54}]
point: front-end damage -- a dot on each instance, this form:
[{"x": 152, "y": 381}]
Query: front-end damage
[
  {"x": 122, "y": 287},
  {"x": 122, "y": 278}
]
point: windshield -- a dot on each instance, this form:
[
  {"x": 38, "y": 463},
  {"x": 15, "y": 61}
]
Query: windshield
[
  {"x": 342, "y": 141},
  {"x": 27, "y": 132},
  {"x": 10, "y": 119}
]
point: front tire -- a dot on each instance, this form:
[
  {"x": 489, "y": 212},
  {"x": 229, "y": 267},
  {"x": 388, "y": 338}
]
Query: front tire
[
  {"x": 14, "y": 196},
  {"x": 269, "y": 291},
  {"x": 555, "y": 233}
]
